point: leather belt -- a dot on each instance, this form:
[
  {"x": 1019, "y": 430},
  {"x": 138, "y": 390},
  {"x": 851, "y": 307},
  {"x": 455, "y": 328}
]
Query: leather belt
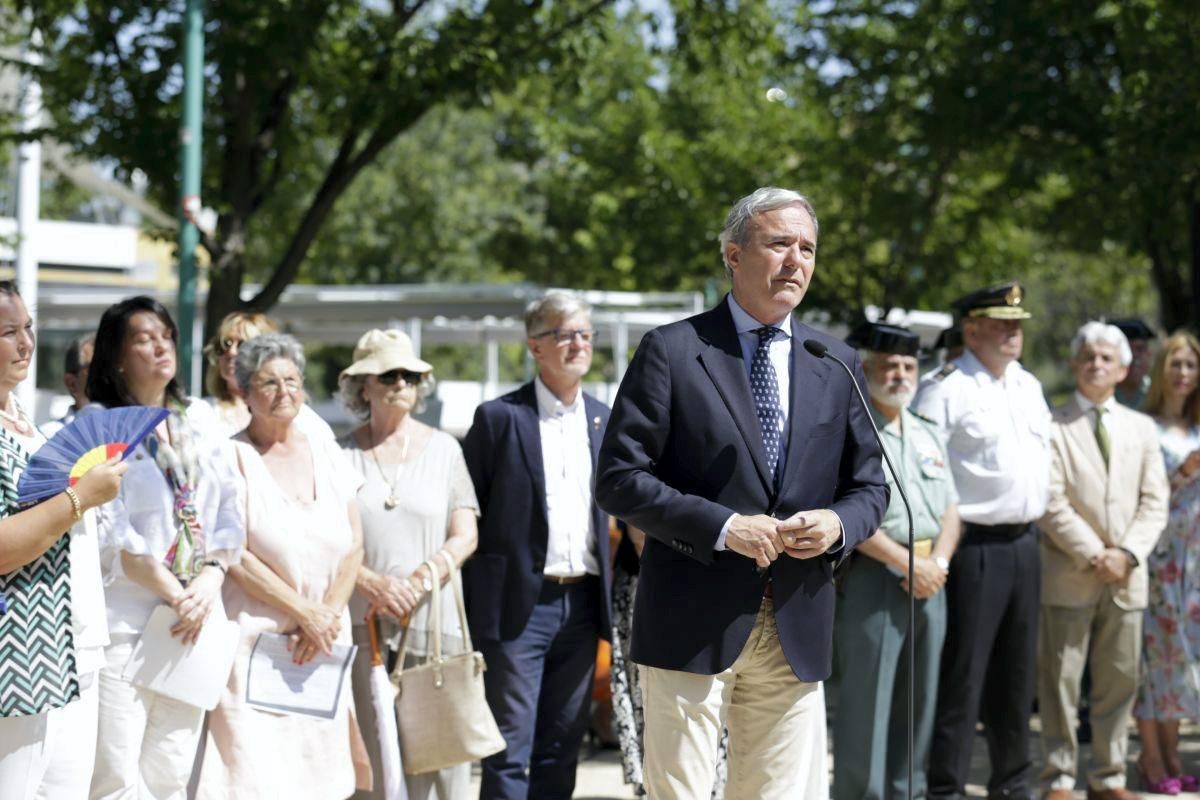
[
  {"x": 1008, "y": 530},
  {"x": 566, "y": 580}
]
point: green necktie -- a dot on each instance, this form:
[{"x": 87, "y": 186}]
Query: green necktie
[{"x": 1101, "y": 432}]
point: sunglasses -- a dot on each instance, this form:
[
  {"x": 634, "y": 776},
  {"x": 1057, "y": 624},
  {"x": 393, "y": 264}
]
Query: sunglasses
[{"x": 390, "y": 377}]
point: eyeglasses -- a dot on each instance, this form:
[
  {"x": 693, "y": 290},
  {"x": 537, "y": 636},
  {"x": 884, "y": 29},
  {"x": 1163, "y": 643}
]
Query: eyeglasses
[
  {"x": 390, "y": 377},
  {"x": 566, "y": 336},
  {"x": 274, "y": 387},
  {"x": 225, "y": 345}
]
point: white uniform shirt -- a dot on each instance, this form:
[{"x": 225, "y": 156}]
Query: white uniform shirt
[
  {"x": 997, "y": 435},
  {"x": 567, "y": 463}
]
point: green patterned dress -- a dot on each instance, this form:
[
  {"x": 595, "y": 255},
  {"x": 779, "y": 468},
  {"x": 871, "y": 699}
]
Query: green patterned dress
[{"x": 37, "y": 654}]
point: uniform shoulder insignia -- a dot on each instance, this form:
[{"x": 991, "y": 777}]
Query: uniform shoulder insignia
[
  {"x": 946, "y": 369},
  {"x": 922, "y": 417}
]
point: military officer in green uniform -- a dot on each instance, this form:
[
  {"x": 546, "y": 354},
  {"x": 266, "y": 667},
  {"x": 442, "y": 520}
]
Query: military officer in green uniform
[{"x": 870, "y": 737}]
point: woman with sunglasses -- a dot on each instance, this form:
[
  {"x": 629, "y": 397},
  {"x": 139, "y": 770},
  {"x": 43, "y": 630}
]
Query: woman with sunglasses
[
  {"x": 168, "y": 537},
  {"x": 52, "y": 625},
  {"x": 227, "y": 399},
  {"x": 418, "y": 503}
]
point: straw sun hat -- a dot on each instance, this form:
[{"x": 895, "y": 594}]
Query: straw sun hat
[{"x": 380, "y": 351}]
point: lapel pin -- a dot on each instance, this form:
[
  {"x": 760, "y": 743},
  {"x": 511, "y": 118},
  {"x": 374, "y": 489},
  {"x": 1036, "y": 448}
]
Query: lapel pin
[{"x": 596, "y": 423}]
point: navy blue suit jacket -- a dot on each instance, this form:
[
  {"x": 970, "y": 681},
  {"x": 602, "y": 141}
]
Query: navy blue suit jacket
[
  {"x": 503, "y": 450},
  {"x": 684, "y": 451}
]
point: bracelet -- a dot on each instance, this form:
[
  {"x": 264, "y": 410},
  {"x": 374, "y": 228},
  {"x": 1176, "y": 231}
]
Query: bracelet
[
  {"x": 76, "y": 506},
  {"x": 212, "y": 562}
]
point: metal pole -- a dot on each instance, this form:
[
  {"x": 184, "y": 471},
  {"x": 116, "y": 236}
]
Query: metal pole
[
  {"x": 29, "y": 172},
  {"x": 191, "y": 141}
]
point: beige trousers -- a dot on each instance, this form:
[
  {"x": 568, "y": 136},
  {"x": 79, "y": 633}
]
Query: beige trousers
[
  {"x": 776, "y": 726},
  {"x": 1114, "y": 637}
]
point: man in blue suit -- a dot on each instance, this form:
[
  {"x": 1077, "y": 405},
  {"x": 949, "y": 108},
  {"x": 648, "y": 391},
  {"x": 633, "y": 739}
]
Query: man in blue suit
[
  {"x": 538, "y": 586},
  {"x": 753, "y": 469}
]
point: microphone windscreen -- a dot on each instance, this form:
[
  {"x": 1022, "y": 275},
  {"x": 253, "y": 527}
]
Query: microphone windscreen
[{"x": 816, "y": 348}]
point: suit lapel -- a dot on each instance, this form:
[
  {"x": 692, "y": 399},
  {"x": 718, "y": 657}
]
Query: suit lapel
[
  {"x": 726, "y": 368},
  {"x": 595, "y": 427},
  {"x": 529, "y": 435},
  {"x": 595, "y": 424},
  {"x": 809, "y": 375}
]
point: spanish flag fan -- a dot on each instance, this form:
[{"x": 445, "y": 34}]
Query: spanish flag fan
[{"x": 91, "y": 438}]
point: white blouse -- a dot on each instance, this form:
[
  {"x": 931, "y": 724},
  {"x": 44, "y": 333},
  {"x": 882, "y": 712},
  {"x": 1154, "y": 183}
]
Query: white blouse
[{"x": 141, "y": 519}]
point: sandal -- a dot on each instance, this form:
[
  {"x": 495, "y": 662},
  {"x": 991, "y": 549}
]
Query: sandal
[{"x": 1167, "y": 785}]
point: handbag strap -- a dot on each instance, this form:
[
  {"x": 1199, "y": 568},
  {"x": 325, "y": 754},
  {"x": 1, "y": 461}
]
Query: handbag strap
[
  {"x": 436, "y": 612},
  {"x": 456, "y": 587}
]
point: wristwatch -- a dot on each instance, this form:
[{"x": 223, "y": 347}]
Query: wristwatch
[{"x": 942, "y": 562}]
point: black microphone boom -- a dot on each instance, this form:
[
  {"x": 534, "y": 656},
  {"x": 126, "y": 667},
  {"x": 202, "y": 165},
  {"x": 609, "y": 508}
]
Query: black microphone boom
[{"x": 820, "y": 350}]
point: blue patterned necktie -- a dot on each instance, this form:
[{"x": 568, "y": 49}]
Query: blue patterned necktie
[{"x": 764, "y": 385}]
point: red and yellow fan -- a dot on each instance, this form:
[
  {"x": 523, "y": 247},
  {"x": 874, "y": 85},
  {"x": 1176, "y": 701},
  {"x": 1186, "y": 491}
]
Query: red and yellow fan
[{"x": 91, "y": 438}]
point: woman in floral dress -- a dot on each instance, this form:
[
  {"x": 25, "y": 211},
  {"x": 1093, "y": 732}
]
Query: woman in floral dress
[{"x": 1170, "y": 688}]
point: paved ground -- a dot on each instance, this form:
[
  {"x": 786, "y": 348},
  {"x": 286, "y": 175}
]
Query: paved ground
[{"x": 599, "y": 776}]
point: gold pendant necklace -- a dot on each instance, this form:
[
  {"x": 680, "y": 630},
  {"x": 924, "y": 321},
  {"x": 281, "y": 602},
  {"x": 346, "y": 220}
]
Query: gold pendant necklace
[{"x": 391, "y": 501}]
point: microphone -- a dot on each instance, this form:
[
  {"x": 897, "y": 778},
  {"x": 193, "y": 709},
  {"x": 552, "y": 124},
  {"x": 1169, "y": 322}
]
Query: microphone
[{"x": 820, "y": 350}]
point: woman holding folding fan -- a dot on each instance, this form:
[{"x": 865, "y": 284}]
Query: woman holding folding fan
[
  {"x": 169, "y": 537},
  {"x": 52, "y": 625}
]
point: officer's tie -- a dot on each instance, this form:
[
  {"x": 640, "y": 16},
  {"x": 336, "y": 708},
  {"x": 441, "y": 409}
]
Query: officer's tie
[
  {"x": 764, "y": 385},
  {"x": 1102, "y": 433}
]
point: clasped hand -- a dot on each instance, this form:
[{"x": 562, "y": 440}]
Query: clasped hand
[
  {"x": 319, "y": 629},
  {"x": 928, "y": 577},
  {"x": 1112, "y": 565},
  {"x": 391, "y": 595},
  {"x": 805, "y": 534},
  {"x": 194, "y": 603}
]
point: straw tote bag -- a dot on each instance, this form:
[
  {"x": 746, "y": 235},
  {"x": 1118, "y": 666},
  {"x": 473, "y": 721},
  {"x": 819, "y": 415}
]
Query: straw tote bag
[{"x": 441, "y": 708}]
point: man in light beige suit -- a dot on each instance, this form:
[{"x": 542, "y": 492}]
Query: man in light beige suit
[{"x": 1108, "y": 505}]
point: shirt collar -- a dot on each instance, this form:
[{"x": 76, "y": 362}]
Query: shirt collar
[
  {"x": 550, "y": 405},
  {"x": 1087, "y": 405},
  {"x": 744, "y": 323},
  {"x": 970, "y": 364},
  {"x": 892, "y": 428}
]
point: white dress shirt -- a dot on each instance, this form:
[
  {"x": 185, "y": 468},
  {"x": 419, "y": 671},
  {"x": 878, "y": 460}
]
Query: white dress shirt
[
  {"x": 567, "y": 463},
  {"x": 997, "y": 434},
  {"x": 1087, "y": 406}
]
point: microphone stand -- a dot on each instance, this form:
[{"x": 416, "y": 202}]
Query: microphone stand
[{"x": 819, "y": 350}]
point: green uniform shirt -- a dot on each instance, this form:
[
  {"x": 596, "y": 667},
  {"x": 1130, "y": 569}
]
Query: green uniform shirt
[{"x": 920, "y": 458}]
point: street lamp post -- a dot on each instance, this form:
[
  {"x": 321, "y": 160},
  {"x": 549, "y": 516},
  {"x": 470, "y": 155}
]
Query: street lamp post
[{"x": 191, "y": 140}]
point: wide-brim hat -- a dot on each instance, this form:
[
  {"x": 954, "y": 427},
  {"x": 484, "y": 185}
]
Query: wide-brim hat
[{"x": 380, "y": 351}]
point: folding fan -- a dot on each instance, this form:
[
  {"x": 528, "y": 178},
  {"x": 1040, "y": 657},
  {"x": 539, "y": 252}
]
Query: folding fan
[{"x": 91, "y": 438}]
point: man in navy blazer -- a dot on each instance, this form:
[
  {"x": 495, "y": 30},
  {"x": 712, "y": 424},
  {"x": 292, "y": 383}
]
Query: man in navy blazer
[
  {"x": 538, "y": 586},
  {"x": 753, "y": 469}
]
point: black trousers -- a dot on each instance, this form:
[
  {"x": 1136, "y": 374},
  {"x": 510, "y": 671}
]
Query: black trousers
[{"x": 988, "y": 662}]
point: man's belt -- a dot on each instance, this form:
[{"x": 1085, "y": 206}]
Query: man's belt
[
  {"x": 1004, "y": 531},
  {"x": 566, "y": 580}
]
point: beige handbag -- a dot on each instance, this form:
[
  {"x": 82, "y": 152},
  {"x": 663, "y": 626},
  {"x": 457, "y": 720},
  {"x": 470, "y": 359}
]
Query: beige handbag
[{"x": 441, "y": 708}]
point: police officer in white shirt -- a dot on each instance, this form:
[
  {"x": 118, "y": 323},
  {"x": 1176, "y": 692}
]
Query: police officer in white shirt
[{"x": 997, "y": 426}]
